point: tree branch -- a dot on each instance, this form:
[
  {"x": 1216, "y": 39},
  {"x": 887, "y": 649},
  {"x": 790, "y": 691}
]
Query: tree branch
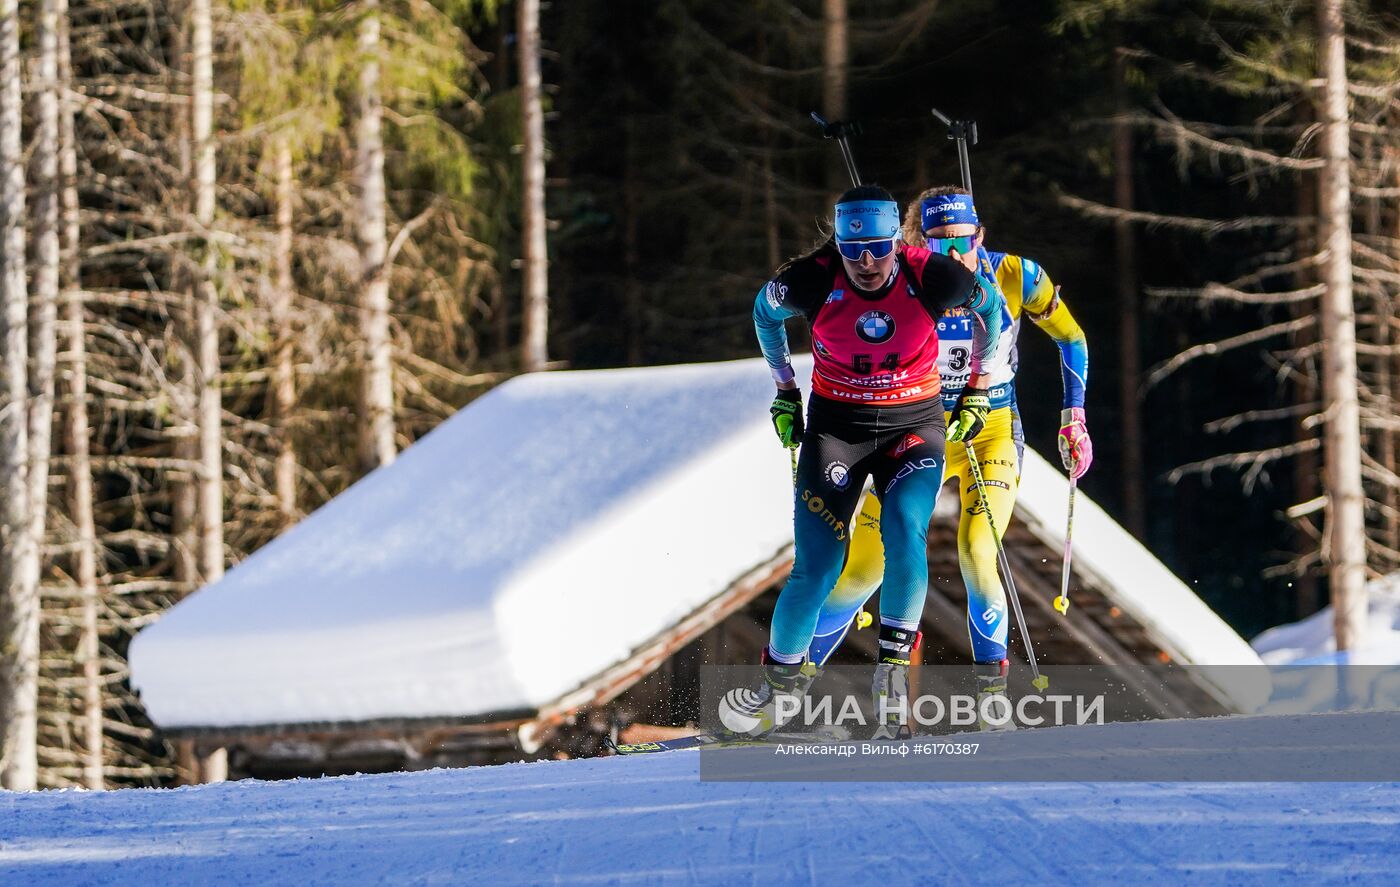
[{"x": 1162, "y": 370}]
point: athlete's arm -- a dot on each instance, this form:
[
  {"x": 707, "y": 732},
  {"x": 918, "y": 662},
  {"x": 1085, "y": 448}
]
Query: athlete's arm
[
  {"x": 1048, "y": 311},
  {"x": 768, "y": 317},
  {"x": 979, "y": 379},
  {"x": 1042, "y": 303},
  {"x": 795, "y": 292},
  {"x": 986, "y": 303}
]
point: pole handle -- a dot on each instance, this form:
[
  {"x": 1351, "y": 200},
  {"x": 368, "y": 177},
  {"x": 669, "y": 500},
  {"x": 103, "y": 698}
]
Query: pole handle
[
  {"x": 964, "y": 132},
  {"x": 841, "y": 131},
  {"x": 836, "y": 129}
]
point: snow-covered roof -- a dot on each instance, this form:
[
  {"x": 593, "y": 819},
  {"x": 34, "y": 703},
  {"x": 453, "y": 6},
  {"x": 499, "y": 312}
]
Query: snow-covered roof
[
  {"x": 534, "y": 541},
  {"x": 529, "y": 542}
]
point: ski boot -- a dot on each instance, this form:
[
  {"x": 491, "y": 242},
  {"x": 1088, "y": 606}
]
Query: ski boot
[
  {"x": 754, "y": 714},
  {"x": 890, "y": 689},
  {"x": 991, "y": 684}
]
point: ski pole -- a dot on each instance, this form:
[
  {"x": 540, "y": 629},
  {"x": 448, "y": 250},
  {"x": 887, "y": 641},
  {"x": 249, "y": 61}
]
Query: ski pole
[
  {"x": 1039, "y": 681},
  {"x": 841, "y": 131},
  {"x": 964, "y": 133},
  {"x": 1062, "y": 602}
]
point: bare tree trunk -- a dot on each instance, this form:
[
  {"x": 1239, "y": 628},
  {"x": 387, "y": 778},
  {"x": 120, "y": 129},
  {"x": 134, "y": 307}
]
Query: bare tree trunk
[
  {"x": 283, "y": 378},
  {"x": 1391, "y": 370},
  {"x": 43, "y": 303},
  {"x": 43, "y": 297},
  {"x": 836, "y": 61},
  {"x": 1346, "y": 527},
  {"x": 1129, "y": 308},
  {"x": 206, "y": 306},
  {"x": 376, "y": 443},
  {"x": 184, "y": 506},
  {"x": 76, "y": 432},
  {"x": 19, "y": 602},
  {"x": 184, "y": 499},
  {"x": 534, "y": 346}
]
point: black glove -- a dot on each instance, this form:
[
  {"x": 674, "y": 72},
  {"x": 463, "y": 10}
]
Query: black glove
[
  {"x": 787, "y": 416},
  {"x": 969, "y": 414}
]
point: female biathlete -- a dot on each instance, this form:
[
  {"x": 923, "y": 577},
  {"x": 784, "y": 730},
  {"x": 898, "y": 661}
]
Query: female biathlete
[
  {"x": 873, "y": 305},
  {"x": 945, "y": 219}
]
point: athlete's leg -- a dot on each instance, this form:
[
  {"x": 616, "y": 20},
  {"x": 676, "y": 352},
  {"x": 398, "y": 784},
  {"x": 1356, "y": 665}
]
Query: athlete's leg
[
  {"x": 859, "y": 579},
  {"x": 909, "y": 477},
  {"x": 997, "y": 456},
  {"x": 909, "y": 487},
  {"x": 827, "y": 491}
]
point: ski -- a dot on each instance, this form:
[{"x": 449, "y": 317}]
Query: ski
[
  {"x": 710, "y": 740},
  {"x": 723, "y": 740},
  {"x": 677, "y": 744}
]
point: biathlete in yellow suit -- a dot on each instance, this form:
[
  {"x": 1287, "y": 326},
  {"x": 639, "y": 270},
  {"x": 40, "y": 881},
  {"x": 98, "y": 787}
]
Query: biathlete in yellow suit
[{"x": 946, "y": 220}]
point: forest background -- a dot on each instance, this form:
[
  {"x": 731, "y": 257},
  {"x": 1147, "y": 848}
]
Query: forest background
[{"x": 251, "y": 249}]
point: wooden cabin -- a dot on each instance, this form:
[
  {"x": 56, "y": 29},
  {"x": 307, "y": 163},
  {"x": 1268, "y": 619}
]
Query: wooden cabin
[{"x": 553, "y": 566}]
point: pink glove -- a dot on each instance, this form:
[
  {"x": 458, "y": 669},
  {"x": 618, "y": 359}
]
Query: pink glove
[{"x": 1076, "y": 449}]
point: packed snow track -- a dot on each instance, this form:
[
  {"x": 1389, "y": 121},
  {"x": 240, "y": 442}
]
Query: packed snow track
[{"x": 650, "y": 820}]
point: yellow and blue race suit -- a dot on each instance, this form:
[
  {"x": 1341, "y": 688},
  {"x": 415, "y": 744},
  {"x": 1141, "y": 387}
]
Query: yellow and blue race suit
[{"x": 1028, "y": 292}]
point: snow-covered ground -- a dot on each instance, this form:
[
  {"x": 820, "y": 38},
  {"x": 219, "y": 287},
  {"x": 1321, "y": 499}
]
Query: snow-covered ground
[
  {"x": 650, "y": 820},
  {"x": 1310, "y": 641}
]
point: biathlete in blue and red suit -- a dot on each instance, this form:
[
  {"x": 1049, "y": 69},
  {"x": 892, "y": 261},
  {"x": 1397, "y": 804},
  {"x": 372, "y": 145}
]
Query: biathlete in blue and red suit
[{"x": 873, "y": 305}]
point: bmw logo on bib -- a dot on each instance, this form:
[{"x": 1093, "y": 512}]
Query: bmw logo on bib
[{"x": 875, "y": 327}]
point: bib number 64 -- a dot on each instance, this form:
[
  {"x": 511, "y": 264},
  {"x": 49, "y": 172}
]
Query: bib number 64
[{"x": 864, "y": 363}]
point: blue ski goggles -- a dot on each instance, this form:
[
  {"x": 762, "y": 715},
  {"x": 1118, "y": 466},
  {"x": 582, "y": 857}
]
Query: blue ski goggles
[
  {"x": 854, "y": 249},
  {"x": 945, "y": 245}
]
